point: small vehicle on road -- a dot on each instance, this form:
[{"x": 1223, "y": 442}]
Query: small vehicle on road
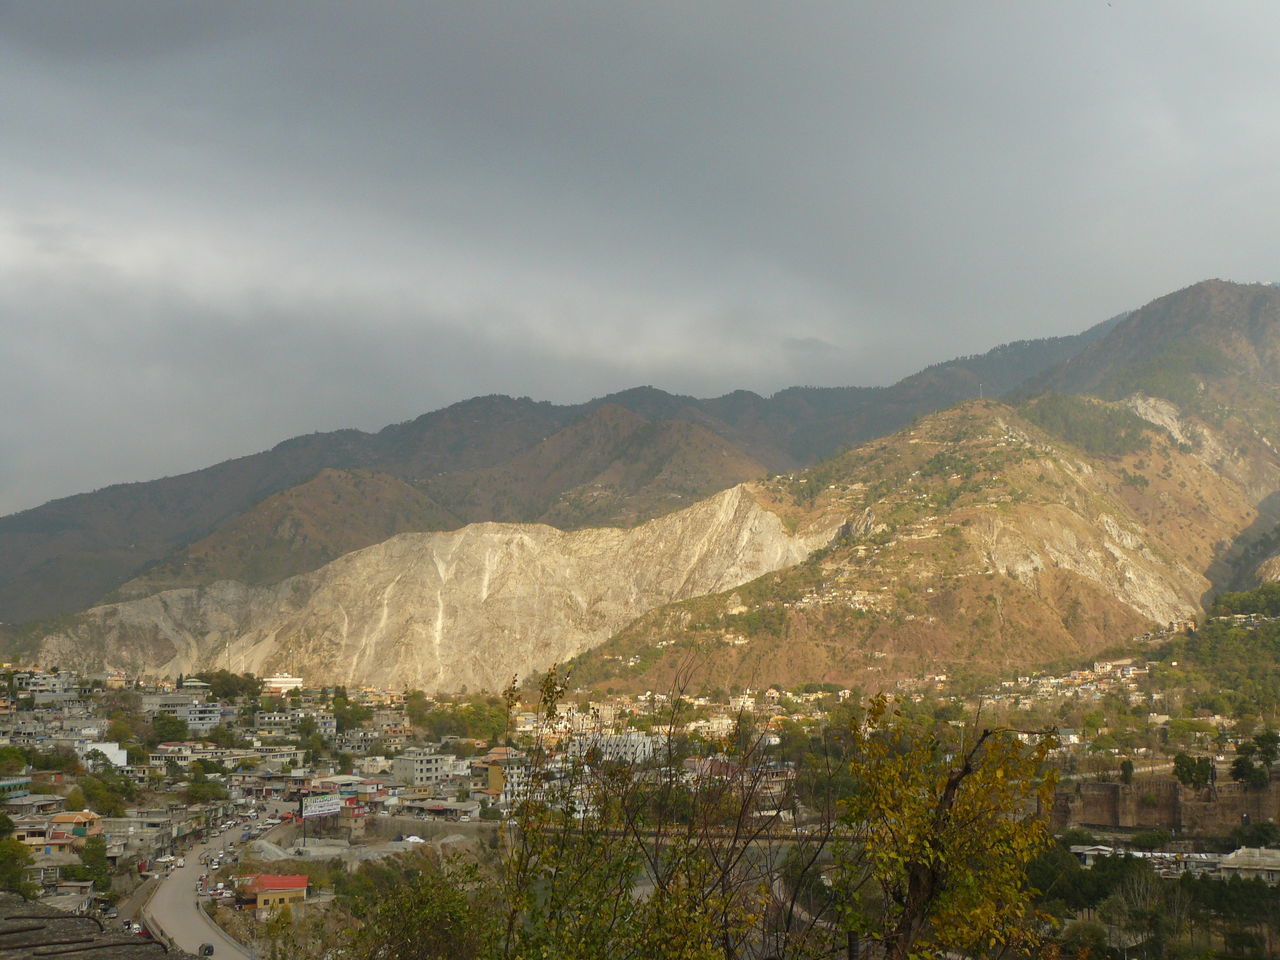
[{"x": 205, "y": 950}]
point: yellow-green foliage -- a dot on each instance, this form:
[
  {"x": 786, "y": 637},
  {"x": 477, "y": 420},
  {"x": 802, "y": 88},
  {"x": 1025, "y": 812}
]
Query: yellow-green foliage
[{"x": 944, "y": 835}]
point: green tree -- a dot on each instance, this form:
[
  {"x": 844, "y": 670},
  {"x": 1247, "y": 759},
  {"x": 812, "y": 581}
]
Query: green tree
[
  {"x": 1267, "y": 745},
  {"x": 1192, "y": 771},
  {"x": 942, "y": 846},
  {"x": 653, "y": 862},
  {"x": 97, "y": 866},
  {"x": 416, "y": 707},
  {"x": 12, "y": 760},
  {"x": 442, "y": 912},
  {"x": 1244, "y": 770},
  {"x": 15, "y": 858},
  {"x": 167, "y": 729},
  {"x": 107, "y": 792},
  {"x": 222, "y": 735},
  {"x": 225, "y": 685},
  {"x": 1150, "y": 839},
  {"x": 200, "y": 789}
]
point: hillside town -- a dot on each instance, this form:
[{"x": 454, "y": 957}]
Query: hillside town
[{"x": 107, "y": 779}]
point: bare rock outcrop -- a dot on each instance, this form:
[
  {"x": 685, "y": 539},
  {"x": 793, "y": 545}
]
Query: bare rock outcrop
[{"x": 442, "y": 611}]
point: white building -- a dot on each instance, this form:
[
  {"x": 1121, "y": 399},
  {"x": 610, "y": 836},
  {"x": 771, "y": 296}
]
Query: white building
[
  {"x": 426, "y": 768},
  {"x": 1249, "y": 863},
  {"x": 109, "y": 749},
  {"x": 629, "y": 747}
]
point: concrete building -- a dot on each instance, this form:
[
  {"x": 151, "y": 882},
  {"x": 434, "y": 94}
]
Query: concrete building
[
  {"x": 1252, "y": 863},
  {"x": 420, "y": 767}
]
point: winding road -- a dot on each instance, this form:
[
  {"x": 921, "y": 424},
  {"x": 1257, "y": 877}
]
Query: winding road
[
  {"x": 174, "y": 906},
  {"x": 175, "y": 910}
]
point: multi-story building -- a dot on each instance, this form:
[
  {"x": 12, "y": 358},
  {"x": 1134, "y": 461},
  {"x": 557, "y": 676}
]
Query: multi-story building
[
  {"x": 426, "y": 768},
  {"x": 360, "y": 740},
  {"x": 501, "y": 776},
  {"x": 326, "y": 722},
  {"x": 287, "y": 723},
  {"x": 275, "y": 723},
  {"x": 632, "y": 747},
  {"x": 24, "y": 730},
  {"x": 199, "y": 715},
  {"x": 32, "y": 682}
]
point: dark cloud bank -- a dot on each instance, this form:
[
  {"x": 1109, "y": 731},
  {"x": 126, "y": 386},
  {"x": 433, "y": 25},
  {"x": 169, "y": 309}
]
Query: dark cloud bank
[{"x": 225, "y": 224}]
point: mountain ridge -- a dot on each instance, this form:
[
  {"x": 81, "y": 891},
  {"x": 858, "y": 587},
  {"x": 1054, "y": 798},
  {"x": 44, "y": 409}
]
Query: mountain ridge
[
  {"x": 977, "y": 541},
  {"x": 71, "y": 552},
  {"x": 468, "y": 607}
]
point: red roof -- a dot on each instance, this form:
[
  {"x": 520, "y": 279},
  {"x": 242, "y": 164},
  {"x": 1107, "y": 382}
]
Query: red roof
[{"x": 268, "y": 882}]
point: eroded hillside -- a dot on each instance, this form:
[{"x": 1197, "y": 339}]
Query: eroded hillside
[
  {"x": 467, "y": 608},
  {"x": 978, "y": 541}
]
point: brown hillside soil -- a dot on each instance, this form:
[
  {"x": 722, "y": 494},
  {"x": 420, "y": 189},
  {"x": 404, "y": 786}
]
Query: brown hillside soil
[
  {"x": 299, "y": 529},
  {"x": 612, "y": 468},
  {"x": 976, "y": 543}
]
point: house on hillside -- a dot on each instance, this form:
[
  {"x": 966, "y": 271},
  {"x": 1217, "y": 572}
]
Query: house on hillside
[
  {"x": 267, "y": 892},
  {"x": 77, "y": 825}
]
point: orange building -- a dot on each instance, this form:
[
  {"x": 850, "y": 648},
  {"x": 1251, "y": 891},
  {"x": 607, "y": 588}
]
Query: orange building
[{"x": 271, "y": 890}]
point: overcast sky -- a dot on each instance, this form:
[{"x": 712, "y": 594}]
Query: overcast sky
[{"x": 223, "y": 224}]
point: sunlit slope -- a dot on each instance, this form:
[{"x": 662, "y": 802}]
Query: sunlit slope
[{"x": 976, "y": 541}]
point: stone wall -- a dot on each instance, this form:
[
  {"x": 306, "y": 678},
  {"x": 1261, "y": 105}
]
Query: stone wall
[{"x": 1163, "y": 803}]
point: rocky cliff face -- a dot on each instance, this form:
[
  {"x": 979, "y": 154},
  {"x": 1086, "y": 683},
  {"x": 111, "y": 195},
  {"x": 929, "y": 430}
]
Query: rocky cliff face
[
  {"x": 441, "y": 611},
  {"x": 976, "y": 540}
]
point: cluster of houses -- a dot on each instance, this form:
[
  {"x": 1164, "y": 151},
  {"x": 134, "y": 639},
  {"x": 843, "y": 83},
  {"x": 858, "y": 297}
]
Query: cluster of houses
[
  {"x": 1247, "y": 863},
  {"x": 386, "y": 770},
  {"x": 391, "y": 773},
  {"x": 56, "y": 837}
]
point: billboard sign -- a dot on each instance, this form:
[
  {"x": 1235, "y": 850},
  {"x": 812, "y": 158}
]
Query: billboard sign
[{"x": 321, "y": 805}]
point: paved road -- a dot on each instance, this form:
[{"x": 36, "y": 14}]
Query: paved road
[
  {"x": 175, "y": 909},
  {"x": 129, "y": 906}
]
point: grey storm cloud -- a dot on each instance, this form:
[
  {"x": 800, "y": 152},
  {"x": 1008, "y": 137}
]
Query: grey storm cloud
[{"x": 224, "y": 224}]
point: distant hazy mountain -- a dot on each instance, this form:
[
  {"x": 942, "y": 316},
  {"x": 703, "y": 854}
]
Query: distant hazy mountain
[
  {"x": 982, "y": 535},
  {"x": 616, "y": 460},
  {"x": 445, "y": 610}
]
